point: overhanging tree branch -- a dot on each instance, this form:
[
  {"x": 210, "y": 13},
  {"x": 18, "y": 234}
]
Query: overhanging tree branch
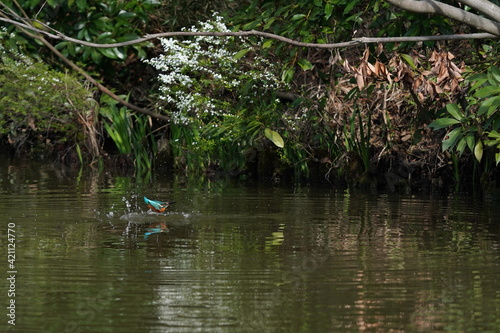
[
  {"x": 28, "y": 30},
  {"x": 436, "y": 7},
  {"x": 354, "y": 42},
  {"x": 485, "y": 7}
]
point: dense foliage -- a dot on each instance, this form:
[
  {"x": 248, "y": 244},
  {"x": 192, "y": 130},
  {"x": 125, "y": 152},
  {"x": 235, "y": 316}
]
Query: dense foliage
[
  {"x": 358, "y": 115},
  {"x": 41, "y": 108},
  {"x": 219, "y": 101}
]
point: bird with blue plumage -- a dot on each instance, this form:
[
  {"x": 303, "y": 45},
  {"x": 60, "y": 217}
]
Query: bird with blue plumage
[{"x": 158, "y": 206}]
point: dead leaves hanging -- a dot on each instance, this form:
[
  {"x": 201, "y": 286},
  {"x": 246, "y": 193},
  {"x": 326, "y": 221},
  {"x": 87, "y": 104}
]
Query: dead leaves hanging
[{"x": 442, "y": 75}]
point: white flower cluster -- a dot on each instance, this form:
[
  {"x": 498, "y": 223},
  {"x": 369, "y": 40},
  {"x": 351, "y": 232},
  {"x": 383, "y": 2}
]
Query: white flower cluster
[{"x": 200, "y": 76}]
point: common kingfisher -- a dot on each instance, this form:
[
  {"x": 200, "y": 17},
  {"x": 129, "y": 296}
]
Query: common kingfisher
[{"x": 157, "y": 206}]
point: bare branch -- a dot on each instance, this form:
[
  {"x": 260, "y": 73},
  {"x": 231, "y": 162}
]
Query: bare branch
[
  {"x": 436, "y": 7},
  {"x": 369, "y": 40},
  {"x": 356, "y": 41}
]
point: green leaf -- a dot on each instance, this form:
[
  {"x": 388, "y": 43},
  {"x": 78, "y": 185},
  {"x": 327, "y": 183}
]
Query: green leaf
[
  {"x": 478, "y": 150},
  {"x": 489, "y": 106},
  {"x": 487, "y": 91},
  {"x": 127, "y": 37},
  {"x": 79, "y": 153},
  {"x": 350, "y": 6},
  {"x": 461, "y": 145},
  {"x": 52, "y": 3},
  {"x": 479, "y": 80},
  {"x": 274, "y": 137},
  {"x": 471, "y": 140},
  {"x": 119, "y": 53},
  {"x": 495, "y": 73},
  {"x": 443, "y": 122},
  {"x": 108, "y": 53},
  {"x": 298, "y": 16},
  {"x": 328, "y": 10},
  {"x": 269, "y": 23},
  {"x": 80, "y": 25},
  {"x": 126, "y": 15},
  {"x": 104, "y": 35},
  {"x": 267, "y": 44},
  {"x": 494, "y": 134},
  {"x": 251, "y": 25},
  {"x": 454, "y": 111},
  {"x": 287, "y": 75},
  {"x": 96, "y": 56},
  {"x": 305, "y": 64},
  {"x": 241, "y": 53},
  {"x": 409, "y": 60},
  {"x": 452, "y": 138}
]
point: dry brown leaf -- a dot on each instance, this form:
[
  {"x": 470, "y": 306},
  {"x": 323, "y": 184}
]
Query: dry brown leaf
[
  {"x": 360, "y": 81},
  {"x": 456, "y": 74},
  {"x": 347, "y": 67},
  {"x": 31, "y": 123},
  {"x": 434, "y": 56},
  {"x": 371, "y": 68},
  {"x": 455, "y": 67},
  {"x": 417, "y": 83}
]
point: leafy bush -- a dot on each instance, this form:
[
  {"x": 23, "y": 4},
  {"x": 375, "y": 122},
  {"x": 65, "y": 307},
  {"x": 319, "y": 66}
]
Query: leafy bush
[
  {"x": 220, "y": 95},
  {"x": 39, "y": 105},
  {"x": 476, "y": 124}
]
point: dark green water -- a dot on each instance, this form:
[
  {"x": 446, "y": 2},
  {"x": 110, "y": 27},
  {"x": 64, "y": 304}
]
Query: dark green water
[{"x": 241, "y": 257}]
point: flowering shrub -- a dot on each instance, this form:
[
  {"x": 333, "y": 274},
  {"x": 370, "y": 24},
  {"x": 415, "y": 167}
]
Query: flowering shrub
[{"x": 220, "y": 95}]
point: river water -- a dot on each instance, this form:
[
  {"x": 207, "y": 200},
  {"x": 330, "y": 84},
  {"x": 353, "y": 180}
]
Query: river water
[{"x": 240, "y": 257}]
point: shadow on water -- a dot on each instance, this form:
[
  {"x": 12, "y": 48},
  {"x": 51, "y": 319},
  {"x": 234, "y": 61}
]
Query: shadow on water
[{"x": 243, "y": 257}]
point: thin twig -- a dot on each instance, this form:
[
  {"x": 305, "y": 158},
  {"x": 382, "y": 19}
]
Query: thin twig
[{"x": 355, "y": 41}]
